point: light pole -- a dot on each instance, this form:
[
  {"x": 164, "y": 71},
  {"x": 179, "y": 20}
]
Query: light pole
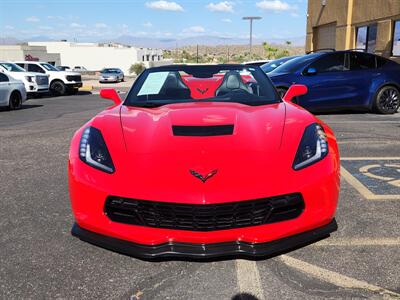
[{"x": 251, "y": 30}]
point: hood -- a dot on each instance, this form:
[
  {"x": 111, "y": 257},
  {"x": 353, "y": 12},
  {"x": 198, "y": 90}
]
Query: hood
[
  {"x": 237, "y": 140},
  {"x": 68, "y": 73}
]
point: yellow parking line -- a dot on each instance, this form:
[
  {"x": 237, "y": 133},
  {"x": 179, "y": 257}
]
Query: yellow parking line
[
  {"x": 334, "y": 277},
  {"x": 359, "y": 242},
  {"x": 248, "y": 278}
]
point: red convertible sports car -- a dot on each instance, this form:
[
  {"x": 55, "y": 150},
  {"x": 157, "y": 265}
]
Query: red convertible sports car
[{"x": 203, "y": 161}]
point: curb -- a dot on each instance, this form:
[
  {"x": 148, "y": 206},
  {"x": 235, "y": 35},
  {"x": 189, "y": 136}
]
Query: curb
[{"x": 86, "y": 88}]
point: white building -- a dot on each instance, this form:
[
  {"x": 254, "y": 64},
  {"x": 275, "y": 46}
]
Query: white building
[
  {"x": 26, "y": 52},
  {"x": 94, "y": 56}
]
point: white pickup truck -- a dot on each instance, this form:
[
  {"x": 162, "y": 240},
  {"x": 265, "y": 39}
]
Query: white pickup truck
[
  {"x": 61, "y": 82},
  {"x": 35, "y": 83}
]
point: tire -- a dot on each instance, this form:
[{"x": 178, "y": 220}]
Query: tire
[
  {"x": 387, "y": 100},
  {"x": 123, "y": 79},
  {"x": 15, "y": 101},
  {"x": 58, "y": 88},
  {"x": 281, "y": 91}
]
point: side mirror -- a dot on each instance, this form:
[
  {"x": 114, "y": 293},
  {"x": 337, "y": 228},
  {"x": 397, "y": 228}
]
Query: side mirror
[
  {"x": 110, "y": 94},
  {"x": 295, "y": 90},
  {"x": 311, "y": 71}
]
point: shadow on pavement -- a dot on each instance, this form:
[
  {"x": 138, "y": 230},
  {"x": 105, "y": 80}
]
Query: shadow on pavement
[
  {"x": 24, "y": 106},
  {"x": 244, "y": 296}
]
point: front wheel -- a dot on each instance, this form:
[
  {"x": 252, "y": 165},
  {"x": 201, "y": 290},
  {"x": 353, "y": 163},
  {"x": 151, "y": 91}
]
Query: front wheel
[
  {"x": 15, "y": 101},
  {"x": 58, "y": 88},
  {"x": 387, "y": 100}
]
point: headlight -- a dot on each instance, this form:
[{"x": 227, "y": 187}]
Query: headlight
[
  {"x": 29, "y": 78},
  {"x": 313, "y": 147},
  {"x": 93, "y": 150}
]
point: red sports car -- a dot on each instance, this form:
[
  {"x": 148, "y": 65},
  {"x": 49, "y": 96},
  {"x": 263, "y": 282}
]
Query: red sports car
[{"x": 203, "y": 161}]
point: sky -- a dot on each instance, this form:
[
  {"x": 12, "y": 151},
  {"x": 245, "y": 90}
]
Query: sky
[{"x": 94, "y": 20}]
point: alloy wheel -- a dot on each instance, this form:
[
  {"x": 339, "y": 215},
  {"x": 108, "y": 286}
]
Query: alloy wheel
[{"x": 389, "y": 99}]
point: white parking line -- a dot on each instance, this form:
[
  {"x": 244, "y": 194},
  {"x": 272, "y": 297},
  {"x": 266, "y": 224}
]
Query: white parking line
[
  {"x": 359, "y": 242},
  {"x": 334, "y": 277},
  {"x": 248, "y": 278}
]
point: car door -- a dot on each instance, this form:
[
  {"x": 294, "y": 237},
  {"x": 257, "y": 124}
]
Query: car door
[
  {"x": 34, "y": 68},
  {"x": 328, "y": 83},
  {"x": 362, "y": 72},
  {"x": 4, "y": 89}
]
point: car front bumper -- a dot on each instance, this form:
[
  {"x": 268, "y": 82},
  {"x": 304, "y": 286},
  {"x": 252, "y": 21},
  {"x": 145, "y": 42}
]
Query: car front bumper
[
  {"x": 74, "y": 85},
  {"x": 108, "y": 79},
  {"x": 204, "y": 251}
]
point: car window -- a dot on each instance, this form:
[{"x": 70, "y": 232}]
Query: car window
[
  {"x": 35, "y": 68},
  {"x": 380, "y": 61},
  {"x": 49, "y": 67},
  {"x": 3, "y": 78},
  {"x": 295, "y": 63},
  {"x": 21, "y": 65},
  {"x": 272, "y": 65},
  {"x": 330, "y": 63},
  {"x": 12, "y": 67},
  {"x": 362, "y": 61}
]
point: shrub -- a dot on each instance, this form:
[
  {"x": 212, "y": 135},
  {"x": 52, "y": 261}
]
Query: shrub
[{"x": 137, "y": 68}]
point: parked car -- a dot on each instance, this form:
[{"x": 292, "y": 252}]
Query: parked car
[
  {"x": 12, "y": 92},
  {"x": 203, "y": 161},
  {"x": 256, "y": 63},
  {"x": 61, "y": 82},
  {"x": 342, "y": 80},
  {"x": 273, "y": 64},
  {"x": 79, "y": 69},
  {"x": 35, "y": 83},
  {"x": 111, "y": 75},
  {"x": 63, "y": 68}
]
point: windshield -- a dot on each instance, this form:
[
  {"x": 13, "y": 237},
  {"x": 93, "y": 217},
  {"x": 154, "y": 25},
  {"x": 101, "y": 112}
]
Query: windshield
[
  {"x": 212, "y": 83},
  {"x": 109, "y": 71},
  {"x": 49, "y": 67},
  {"x": 295, "y": 64},
  {"x": 272, "y": 65},
  {"x": 10, "y": 67}
]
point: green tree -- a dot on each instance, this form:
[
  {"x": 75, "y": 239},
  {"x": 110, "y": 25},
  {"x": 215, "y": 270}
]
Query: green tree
[
  {"x": 288, "y": 43},
  {"x": 282, "y": 53},
  {"x": 137, "y": 68},
  {"x": 270, "y": 51}
]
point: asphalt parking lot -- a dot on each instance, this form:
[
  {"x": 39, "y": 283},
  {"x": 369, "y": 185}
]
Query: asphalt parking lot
[{"x": 40, "y": 259}]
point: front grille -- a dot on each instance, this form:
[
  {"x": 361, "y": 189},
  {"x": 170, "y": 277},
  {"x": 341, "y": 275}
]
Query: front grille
[
  {"x": 204, "y": 217},
  {"x": 77, "y": 78},
  {"x": 213, "y": 130},
  {"x": 42, "y": 80}
]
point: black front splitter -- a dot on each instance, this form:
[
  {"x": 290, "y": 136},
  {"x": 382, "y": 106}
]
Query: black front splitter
[{"x": 205, "y": 251}]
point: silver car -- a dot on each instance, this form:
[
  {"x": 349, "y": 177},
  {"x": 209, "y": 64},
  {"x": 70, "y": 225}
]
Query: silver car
[
  {"x": 12, "y": 92},
  {"x": 111, "y": 75}
]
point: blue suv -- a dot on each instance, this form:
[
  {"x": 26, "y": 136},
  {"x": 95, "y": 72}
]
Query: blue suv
[{"x": 342, "y": 80}]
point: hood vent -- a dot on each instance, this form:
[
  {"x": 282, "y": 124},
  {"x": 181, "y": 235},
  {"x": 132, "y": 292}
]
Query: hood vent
[{"x": 202, "y": 130}]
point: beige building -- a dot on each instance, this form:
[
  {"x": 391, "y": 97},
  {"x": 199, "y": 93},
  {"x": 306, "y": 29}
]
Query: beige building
[
  {"x": 26, "y": 52},
  {"x": 370, "y": 25}
]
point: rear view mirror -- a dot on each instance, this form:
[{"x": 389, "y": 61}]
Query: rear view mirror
[
  {"x": 110, "y": 94},
  {"x": 295, "y": 90},
  {"x": 311, "y": 71}
]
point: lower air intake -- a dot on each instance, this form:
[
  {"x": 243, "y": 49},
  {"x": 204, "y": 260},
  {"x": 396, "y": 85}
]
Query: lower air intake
[{"x": 204, "y": 217}]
